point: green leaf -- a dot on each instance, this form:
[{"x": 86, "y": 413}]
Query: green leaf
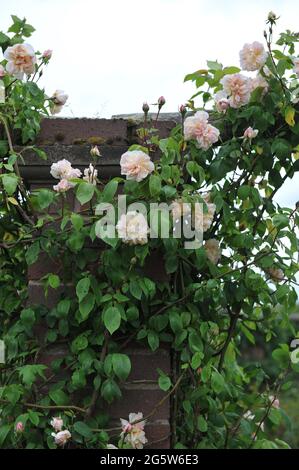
[
  {"x": 54, "y": 281},
  {"x": 59, "y": 397},
  {"x": 10, "y": 183},
  {"x": 202, "y": 424},
  {"x": 112, "y": 319},
  {"x": 86, "y": 306},
  {"x": 4, "y": 430},
  {"x": 27, "y": 317},
  {"x": 31, "y": 254},
  {"x": 121, "y": 365},
  {"x": 155, "y": 185},
  {"x": 29, "y": 373},
  {"x": 83, "y": 429},
  {"x": 45, "y": 197},
  {"x": 164, "y": 382},
  {"x": 153, "y": 340},
  {"x": 82, "y": 288},
  {"x": 110, "y": 390},
  {"x": 109, "y": 191},
  {"x": 217, "y": 382},
  {"x": 289, "y": 116},
  {"x": 85, "y": 192},
  {"x": 77, "y": 221}
]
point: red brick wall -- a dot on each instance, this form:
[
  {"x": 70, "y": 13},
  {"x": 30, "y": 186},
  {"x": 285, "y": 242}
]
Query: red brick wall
[{"x": 72, "y": 139}]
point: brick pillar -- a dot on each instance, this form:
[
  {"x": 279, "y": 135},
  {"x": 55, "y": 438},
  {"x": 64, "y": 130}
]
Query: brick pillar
[{"x": 72, "y": 139}]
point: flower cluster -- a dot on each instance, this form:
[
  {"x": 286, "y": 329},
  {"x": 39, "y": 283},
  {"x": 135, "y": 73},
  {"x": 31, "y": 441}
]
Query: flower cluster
[
  {"x": 60, "y": 436},
  {"x": 197, "y": 127},
  {"x": 64, "y": 171}
]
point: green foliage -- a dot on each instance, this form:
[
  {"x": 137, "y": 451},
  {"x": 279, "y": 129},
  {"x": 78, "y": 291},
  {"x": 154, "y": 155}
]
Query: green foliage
[{"x": 205, "y": 311}]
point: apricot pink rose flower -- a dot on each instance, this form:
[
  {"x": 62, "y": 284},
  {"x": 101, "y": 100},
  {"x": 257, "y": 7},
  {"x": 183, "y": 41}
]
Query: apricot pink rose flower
[
  {"x": 197, "y": 127},
  {"x": 237, "y": 88},
  {"x": 20, "y": 60},
  {"x": 253, "y": 56},
  {"x": 221, "y": 101},
  {"x": 136, "y": 165}
]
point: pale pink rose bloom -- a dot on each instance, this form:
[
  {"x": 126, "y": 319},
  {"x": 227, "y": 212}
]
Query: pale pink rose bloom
[
  {"x": 132, "y": 228},
  {"x": 253, "y": 56},
  {"x": 61, "y": 437},
  {"x": 58, "y": 100},
  {"x": 136, "y": 165},
  {"x": 19, "y": 427},
  {"x": 90, "y": 174},
  {"x": 47, "y": 54},
  {"x": 250, "y": 133},
  {"x": 258, "y": 82},
  {"x": 212, "y": 250},
  {"x": 179, "y": 208},
  {"x": 2, "y": 71},
  {"x": 221, "y": 101},
  {"x": 134, "y": 433},
  {"x": 64, "y": 170},
  {"x": 63, "y": 186},
  {"x": 237, "y": 88},
  {"x": 57, "y": 423},
  {"x": 197, "y": 127},
  {"x": 61, "y": 169},
  {"x": 276, "y": 274},
  {"x": 275, "y": 401},
  {"x": 296, "y": 66},
  {"x": 20, "y": 59}
]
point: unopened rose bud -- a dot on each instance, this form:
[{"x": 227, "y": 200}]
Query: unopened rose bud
[
  {"x": 161, "y": 102},
  {"x": 47, "y": 54},
  {"x": 19, "y": 427},
  {"x": 94, "y": 152},
  {"x": 145, "y": 108},
  {"x": 182, "y": 109}
]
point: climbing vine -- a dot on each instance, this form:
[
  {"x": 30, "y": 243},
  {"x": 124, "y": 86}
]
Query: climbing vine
[{"x": 236, "y": 145}]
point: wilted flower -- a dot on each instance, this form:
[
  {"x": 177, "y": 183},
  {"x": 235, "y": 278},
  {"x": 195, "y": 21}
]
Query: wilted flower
[
  {"x": 250, "y": 133},
  {"x": 136, "y": 165},
  {"x": 237, "y": 88},
  {"x": 90, "y": 174},
  {"x": 296, "y": 66},
  {"x": 212, "y": 250},
  {"x": 221, "y": 101},
  {"x": 58, "y": 100},
  {"x": 276, "y": 274},
  {"x": 132, "y": 228},
  {"x": 272, "y": 17},
  {"x": 2, "y": 71},
  {"x": 197, "y": 127},
  {"x": 19, "y": 427},
  {"x": 134, "y": 433},
  {"x": 94, "y": 152},
  {"x": 274, "y": 402},
  {"x": 61, "y": 437},
  {"x": 253, "y": 56},
  {"x": 47, "y": 54},
  {"x": 57, "y": 423},
  {"x": 20, "y": 59},
  {"x": 64, "y": 170}
]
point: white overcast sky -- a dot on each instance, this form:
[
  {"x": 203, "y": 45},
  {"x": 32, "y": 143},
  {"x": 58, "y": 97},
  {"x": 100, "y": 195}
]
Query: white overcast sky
[{"x": 111, "y": 55}]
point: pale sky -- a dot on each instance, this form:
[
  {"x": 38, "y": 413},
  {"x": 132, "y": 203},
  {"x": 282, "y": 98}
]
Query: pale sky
[{"x": 111, "y": 55}]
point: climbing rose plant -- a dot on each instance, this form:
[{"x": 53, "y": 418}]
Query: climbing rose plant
[{"x": 237, "y": 144}]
